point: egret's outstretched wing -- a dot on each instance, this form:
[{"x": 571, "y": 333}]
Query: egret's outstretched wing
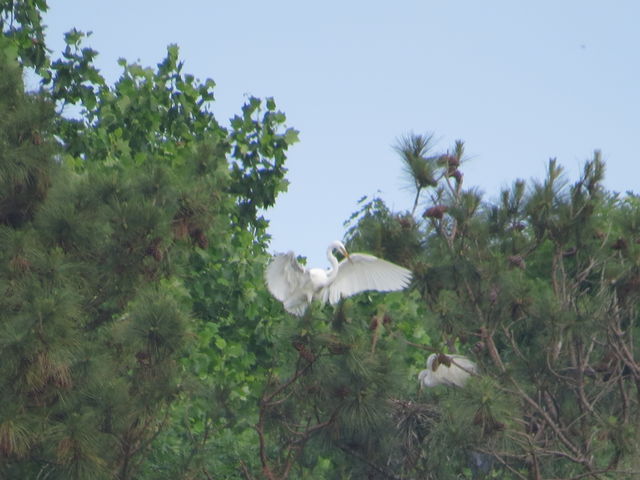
[
  {"x": 285, "y": 276},
  {"x": 360, "y": 272}
]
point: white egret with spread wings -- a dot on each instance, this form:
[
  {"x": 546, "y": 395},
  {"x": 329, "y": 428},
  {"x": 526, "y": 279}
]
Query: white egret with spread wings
[{"x": 297, "y": 286}]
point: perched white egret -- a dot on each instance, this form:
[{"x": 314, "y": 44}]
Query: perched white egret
[
  {"x": 452, "y": 370},
  {"x": 296, "y": 286}
]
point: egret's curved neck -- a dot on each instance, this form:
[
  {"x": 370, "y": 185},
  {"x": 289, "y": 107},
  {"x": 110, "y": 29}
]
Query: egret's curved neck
[{"x": 333, "y": 271}]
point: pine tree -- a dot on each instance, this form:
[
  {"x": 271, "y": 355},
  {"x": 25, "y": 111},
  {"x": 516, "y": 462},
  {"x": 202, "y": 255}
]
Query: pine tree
[
  {"x": 91, "y": 330},
  {"x": 136, "y": 248},
  {"x": 539, "y": 288},
  {"x": 26, "y": 147}
]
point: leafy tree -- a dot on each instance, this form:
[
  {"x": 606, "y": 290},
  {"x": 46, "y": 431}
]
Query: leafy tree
[
  {"x": 21, "y": 24},
  {"x": 132, "y": 273}
]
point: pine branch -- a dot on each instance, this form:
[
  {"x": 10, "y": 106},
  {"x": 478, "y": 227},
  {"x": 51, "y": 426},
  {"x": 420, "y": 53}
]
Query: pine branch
[
  {"x": 491, "y": 348},
  {"x": 503, "y": 461},
  {"x": 415, "y": 201},
  {"x": 575, "y": 455},
  {"x": 245, "y": 472},
  {"x": 267, "y": 401},
  {"x": 363, "y": 459}
]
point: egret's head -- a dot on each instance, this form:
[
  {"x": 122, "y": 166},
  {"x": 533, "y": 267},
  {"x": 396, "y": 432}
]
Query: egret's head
[{"x": 339, "y": 246}]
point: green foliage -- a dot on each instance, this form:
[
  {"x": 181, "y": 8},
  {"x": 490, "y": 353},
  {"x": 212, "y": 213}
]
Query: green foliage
[
  {"x": 136, "y": 318},
  {"x": 529, "y": 287},
  {"x": 539, "y": 288},
  {"x": 22, "y": 28},
  {"x": 94, "y": 324},
  {"x": 138, "y": 339},
  {"x": 25, "y": 146}
]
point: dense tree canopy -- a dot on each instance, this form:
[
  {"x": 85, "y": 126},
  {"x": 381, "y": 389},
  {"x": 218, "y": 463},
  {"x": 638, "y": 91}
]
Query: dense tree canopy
[{"x": 138, "y": 339}]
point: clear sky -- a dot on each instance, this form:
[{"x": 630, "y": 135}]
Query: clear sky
[{"x": 519, "y": 82}]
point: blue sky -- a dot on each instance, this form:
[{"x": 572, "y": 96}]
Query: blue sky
[{"x": 519, "y": 82}]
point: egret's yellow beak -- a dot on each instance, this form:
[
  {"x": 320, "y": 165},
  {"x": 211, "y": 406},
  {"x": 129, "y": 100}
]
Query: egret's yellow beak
[{"x": 345, "y": 253}]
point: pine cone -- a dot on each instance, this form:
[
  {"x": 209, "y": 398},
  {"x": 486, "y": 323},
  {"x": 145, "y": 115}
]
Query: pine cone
[
  {"x": 19, "y": 264},
  {"x": 143, "y": 358},
  {"x": 406, "y": 222},
  {"x": 517, "y": 261},
  {"x": 304, "y": 352},
  {"x": 435, "y": 212},
  {"x": 342, "y": 391},
  {"x": 441, "y": 359},
  {"x": 457, "y": 174},
  {"x": 451, "y": 161},
  {"x": 620, "y": 244},
  {"x": 375, "y": 321},
  {"x": 154, "y": 250},
  {"x": 203, "y": 242}
]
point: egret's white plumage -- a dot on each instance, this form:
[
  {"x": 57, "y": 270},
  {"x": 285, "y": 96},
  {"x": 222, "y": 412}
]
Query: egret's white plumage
[
  {"x": 439, "y": 373},
  {"x": 296, "y": 286}
]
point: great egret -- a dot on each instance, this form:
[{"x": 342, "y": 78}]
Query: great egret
[
  {"x": 452, "y": 370},
  {"x": 296, "y": 286}
]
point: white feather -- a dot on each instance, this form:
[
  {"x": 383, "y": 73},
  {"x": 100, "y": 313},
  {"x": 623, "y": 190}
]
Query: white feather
[
  {"x": 284, "y": 275},
  {"x": 361, "y": 272},
  {"x": 440, "y": 374},
  {"x": 296, "y": 286}
]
